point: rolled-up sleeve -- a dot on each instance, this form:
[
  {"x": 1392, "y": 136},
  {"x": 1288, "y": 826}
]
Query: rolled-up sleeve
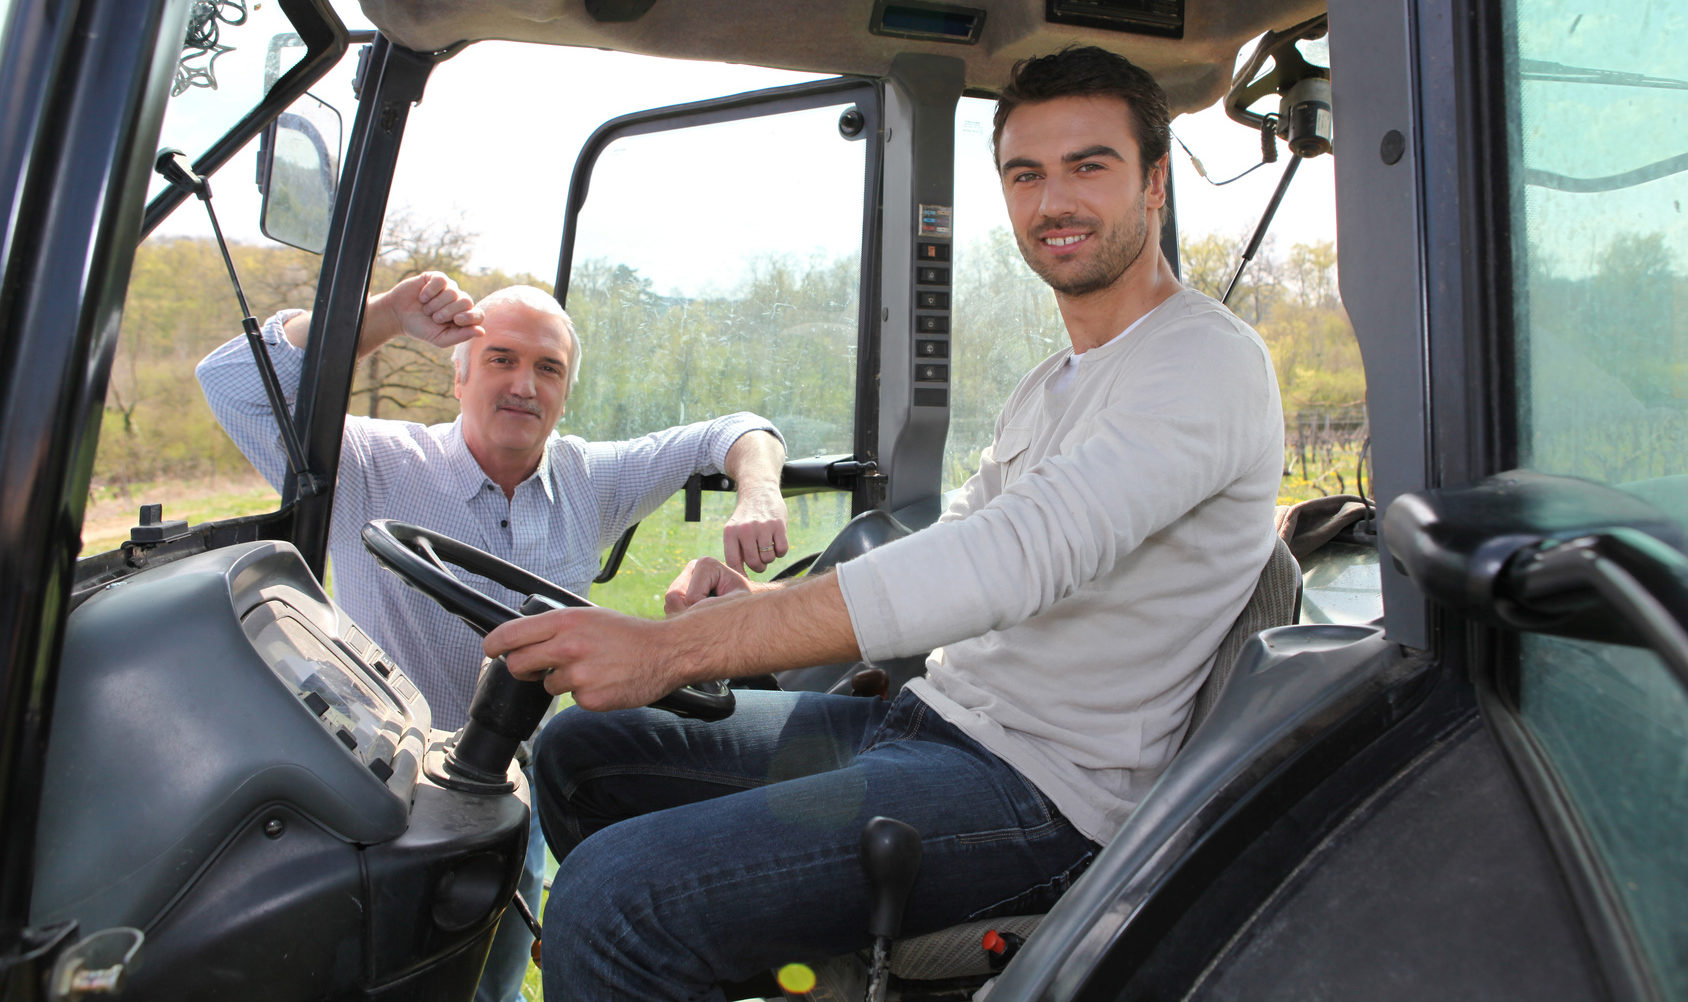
[{"x": 633, "y": 477}]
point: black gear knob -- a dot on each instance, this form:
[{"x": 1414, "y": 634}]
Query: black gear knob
[{"x": 891, "y": 856}]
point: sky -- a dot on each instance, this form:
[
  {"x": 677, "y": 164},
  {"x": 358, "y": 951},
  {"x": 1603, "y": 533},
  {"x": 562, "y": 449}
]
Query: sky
[
  {"x": 492, "y": 144},
  {"x": 535, "y": 190}
]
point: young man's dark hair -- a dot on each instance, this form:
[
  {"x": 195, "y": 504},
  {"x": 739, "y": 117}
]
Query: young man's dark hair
[{"x": 1086, "y": 71}]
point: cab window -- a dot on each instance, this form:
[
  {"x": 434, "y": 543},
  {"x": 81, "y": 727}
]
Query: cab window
[
  {"x": 1597, "y": 110},
  {"x": 1006, "y": 319},
  {"x": 159, "y": 442},
  {"x": 715, "y": 265}
]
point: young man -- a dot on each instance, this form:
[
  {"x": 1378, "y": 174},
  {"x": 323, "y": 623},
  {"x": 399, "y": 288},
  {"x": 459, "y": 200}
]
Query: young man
[
  {"x": 1076, "y": 592},
  {"x": 500, "y": 477}
]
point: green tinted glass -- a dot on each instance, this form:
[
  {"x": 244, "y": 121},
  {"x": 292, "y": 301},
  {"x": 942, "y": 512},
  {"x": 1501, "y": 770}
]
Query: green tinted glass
[
  {"x": 1601, "y": 127},
  {"x": 1599, "y": 175}
]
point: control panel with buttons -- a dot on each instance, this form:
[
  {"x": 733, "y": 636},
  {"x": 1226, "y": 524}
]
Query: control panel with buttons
[
  {"x": 350, "y": 686},
  {"x": 932, "y": 317}
]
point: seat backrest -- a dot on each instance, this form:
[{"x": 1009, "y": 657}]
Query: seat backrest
[
  {"x": 1275, "y": 602},
  {"x": 954, "y": 953}
]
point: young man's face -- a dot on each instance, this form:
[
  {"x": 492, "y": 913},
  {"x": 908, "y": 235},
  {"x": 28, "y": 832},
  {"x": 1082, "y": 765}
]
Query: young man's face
[
  {"x": 517, "y": 382},
  {"x": 1075, "y": 190}
]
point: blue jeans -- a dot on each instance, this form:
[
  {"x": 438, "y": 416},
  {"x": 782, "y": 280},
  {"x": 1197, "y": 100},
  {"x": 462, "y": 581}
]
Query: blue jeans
[{"x": 695, "y": 853}]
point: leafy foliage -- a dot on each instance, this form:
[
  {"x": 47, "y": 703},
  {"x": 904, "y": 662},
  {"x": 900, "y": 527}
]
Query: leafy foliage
[
  {"x": 782, "y": 342},
  {"x": 1611, "y": 408}
]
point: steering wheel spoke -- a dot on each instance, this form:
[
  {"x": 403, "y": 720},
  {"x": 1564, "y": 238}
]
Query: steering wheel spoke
[{"x": 426, "y": 548}]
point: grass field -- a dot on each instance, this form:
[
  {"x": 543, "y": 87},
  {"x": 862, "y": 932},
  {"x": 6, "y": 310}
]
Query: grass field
[
  {"x": 1340, "y": 473},
  {"x": 113, "y": 511},
  {"x": 661, "y": 546},
  {"x": 665, "y": 541}
]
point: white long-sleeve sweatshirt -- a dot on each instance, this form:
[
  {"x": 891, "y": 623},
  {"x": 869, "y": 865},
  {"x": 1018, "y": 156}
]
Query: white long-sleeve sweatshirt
[{"x": 1082, "y": 580}]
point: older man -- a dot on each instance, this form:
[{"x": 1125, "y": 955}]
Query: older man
[
  {"x": 499, "y": 477},
  {"x": 1076, "y": 592}
]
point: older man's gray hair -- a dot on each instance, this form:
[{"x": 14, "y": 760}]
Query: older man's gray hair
[{"x": 533, "y": 299}]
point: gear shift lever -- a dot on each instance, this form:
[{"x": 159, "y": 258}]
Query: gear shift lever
[{"x": 891, "y": 856}]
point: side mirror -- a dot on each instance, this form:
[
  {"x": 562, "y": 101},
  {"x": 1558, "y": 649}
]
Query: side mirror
[{"x": 298, "y": 174}]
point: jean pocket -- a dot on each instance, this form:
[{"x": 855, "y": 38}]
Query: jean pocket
[
  {"x": 906, "y": 718},
  {"x": 1036, "y": 818},
  {"x": 1040, "y": 897}
]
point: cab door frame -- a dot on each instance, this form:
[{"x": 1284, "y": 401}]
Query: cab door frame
[
  {"x": 903, "y": 352},
  {"x": 87, "y": 82},
  {"x": 848, "y": 473}
]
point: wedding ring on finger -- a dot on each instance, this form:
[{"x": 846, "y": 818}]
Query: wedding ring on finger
[{"x": 764, "y": 549}]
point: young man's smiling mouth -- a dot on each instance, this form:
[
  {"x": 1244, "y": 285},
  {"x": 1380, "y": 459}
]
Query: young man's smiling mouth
[{"x": 1065, "y": 241}]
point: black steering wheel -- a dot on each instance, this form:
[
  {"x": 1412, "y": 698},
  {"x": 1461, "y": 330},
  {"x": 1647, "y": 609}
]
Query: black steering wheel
[{"x": 419, "y": 557}]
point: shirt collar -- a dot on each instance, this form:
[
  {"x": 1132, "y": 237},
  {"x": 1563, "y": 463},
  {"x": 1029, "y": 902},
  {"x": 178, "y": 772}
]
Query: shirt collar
[
  {"x": 542, "y": 472},
  {"x": 466, "y": 476},
  {"x": 468, "y": 479}
]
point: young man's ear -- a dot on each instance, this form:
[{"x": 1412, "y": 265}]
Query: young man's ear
[{"x": 1154, "y": 189}]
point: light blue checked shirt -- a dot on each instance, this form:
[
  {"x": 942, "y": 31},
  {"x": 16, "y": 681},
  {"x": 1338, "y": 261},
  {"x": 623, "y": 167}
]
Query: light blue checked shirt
[{"x": 579, "y": 500}]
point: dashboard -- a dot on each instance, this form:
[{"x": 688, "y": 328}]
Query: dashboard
[{"x": 197, "y": 696}]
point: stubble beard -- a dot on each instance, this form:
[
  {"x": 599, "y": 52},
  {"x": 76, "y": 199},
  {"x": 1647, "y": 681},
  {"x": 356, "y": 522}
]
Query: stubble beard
[{"x": 1120, "y": 246}]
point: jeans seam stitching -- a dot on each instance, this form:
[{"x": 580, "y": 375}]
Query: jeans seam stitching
[
  {"x": 665, "y": 772},
  {"x": 1000, "y": 834}
]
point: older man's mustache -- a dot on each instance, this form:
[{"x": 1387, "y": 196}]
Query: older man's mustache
[{"x": 520, "y": 404}]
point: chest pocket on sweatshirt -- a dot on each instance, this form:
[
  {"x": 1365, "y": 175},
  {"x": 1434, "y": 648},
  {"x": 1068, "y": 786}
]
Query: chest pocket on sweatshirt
[{"x": 1009, "y": 450}]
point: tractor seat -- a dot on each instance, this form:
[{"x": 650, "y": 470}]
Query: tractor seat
[{"x": 955, "y": 955}]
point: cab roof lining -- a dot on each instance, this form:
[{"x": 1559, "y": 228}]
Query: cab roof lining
[{"x": 830, "y": 36}]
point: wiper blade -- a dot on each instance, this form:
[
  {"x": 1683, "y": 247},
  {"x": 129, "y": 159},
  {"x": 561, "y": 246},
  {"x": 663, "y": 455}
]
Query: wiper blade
[
  {"x": 1611, "y": 182},
  {"x": 1541, "y": 69}
]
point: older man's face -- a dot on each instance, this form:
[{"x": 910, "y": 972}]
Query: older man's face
[
  {"x": 1076, "y": 194},
  {"x": 517, "y": 382}
]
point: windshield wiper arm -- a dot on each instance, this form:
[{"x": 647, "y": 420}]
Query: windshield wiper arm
[{"x": 1542, "y": 69}]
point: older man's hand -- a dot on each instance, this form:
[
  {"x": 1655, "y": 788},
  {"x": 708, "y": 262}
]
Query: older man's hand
[
  {"x": 755, "y": 534},
  {"x": 431, "y": 308}
]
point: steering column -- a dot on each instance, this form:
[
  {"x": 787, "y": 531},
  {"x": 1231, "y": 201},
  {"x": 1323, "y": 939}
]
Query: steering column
[{"x": 504, "y": 710}]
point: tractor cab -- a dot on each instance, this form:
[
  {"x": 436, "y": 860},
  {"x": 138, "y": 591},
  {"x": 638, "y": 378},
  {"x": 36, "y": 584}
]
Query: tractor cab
[{"x": 1451, "y": 765}]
